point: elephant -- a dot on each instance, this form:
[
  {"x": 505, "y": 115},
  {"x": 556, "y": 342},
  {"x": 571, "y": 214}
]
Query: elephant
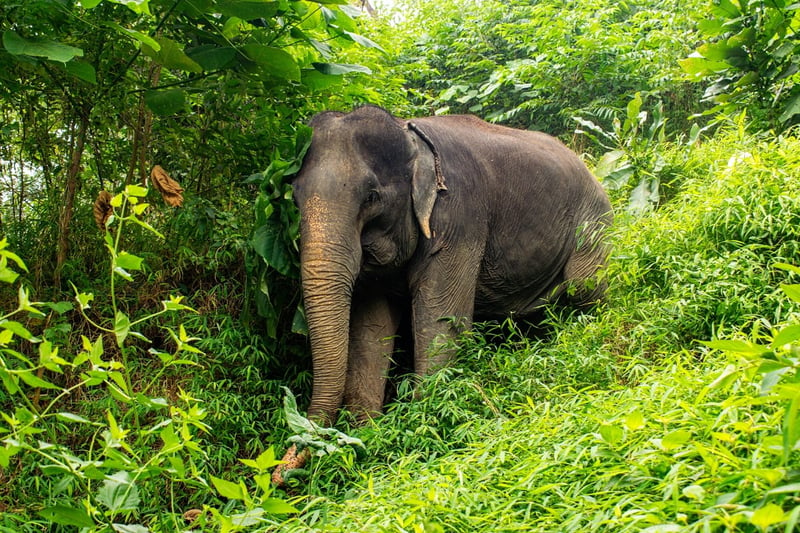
[{"x": 448, "y": 217}]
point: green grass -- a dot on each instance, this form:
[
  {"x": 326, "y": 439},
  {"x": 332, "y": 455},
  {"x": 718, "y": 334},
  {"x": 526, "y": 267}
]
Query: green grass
[{"x": 618, "y": 419}]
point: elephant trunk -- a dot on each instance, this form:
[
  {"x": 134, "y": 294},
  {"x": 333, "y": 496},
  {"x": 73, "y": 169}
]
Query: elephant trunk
[
  {"x": 330, "y": 257},
  {"x": 328, "y": 276}
]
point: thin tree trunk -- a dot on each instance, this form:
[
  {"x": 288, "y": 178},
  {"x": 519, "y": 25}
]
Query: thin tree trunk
[{"x": 70, "y": 191}]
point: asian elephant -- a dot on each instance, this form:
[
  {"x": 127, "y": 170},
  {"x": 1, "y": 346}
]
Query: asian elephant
[{"x": 450, "y": 217}]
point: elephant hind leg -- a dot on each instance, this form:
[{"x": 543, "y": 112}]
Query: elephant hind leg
[
  {"x": 373, "y": 326},
  {"x": 584, "y": 284}
]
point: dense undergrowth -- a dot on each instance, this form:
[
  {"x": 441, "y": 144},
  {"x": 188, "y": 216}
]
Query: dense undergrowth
[{"x": 620, "y": 419}]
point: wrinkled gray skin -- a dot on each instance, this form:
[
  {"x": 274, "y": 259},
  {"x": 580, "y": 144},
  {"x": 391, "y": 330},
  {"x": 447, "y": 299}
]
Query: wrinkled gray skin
[{"x": 450, "y": 217}]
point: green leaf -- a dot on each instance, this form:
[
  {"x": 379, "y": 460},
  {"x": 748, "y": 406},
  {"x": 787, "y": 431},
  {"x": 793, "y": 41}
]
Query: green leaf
[
  {"x": 233, "y": 491},
  {"x": 787, "y": 267},
  {"x": 136, "y": 190},
  {"x": 277, "y": 506},
  {"x": 248, "y": 10},
  {"x": 139, "y": 37},
  {"x": 7, "y": 453},
  {"x": 67, "y": 516},
  {"x": 363, "y": 41},
  {"x": 72, "y": 417},
  {"x": 296, "y": 422},
  {"x": 299, "y": 323},
  {"x": 84, "y": 300},
  {"x": 767, "y": 516},
  {"x": 610, "y": 162},
  {"x": 675, "y": 439},
  {"x": 140, "y": 7},
  {"x": 119, "y": 493},
  {"x": 273, "y": 61},
  {"x": 697, "y": 66},
  {"x": 725, "y": 9},
  {"x": 268, "y": 242},
  {"x": 59, "y": 307},
  {"x": 336, "y": 69},
  {"x": 786, "y": 335},
  {"x": 18, "y": 329},
  {"x": 785, "y": 489},
  {"x": 737, "y": 346},
  {"x": 52, "y": 50},
  {"x": 212, "y": 57},
  {"x": 792, "y": 291},
  {"x": 165, "y": 102},
  {"x": 122, "y": 327},
  {"x": 791, "y": 108},
  {"x": 611, "y": 434},
  {"x": 128, "y": 261},
  {"x": 171, "y": 55},
  {"x": 32, "y": 380},
  {"x": 634, "y": 420},
  {"x": 83, "y": 71}
]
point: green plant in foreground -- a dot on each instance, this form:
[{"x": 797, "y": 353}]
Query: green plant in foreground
[{"x": 103, "y": 473}]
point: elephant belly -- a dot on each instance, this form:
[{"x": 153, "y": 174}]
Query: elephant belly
[{"x": 518, "y": 284}]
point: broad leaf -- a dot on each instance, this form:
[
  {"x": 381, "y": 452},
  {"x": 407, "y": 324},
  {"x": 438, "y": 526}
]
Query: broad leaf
[
  {"x": 140, "y": 7},
  {"x": 228, "y": 489},
  {"x": 278, "y": 506},
  {"x": 139, "y": 37},
  {"x": 165, "y": 102},
  {"x": 787, "y": 335},
  {"x": 33, "y": 380},
  {"x": 675, "y": 439},
  {"x": 363, "y": 41},
  {"x": 268, "y": 242},
  {"x": 767, "y": 516},
  {"x": 792, "y": 291},
  {"x": 736, "y": 346},
  {"x": 52, "y": 50},
  {"x": 122, "y": 327},
  {"x": 172, "y": 56},
  {"x": 273, "y": 61},
  {"x": 211, "y": 57},
  {"x": 83, "y": 71},
  {"x": 67, "y": 516},
  {"x": 129, "y": 261},
  {"x": 247, "y": 10},
  {"x": 119, "y": 493}
]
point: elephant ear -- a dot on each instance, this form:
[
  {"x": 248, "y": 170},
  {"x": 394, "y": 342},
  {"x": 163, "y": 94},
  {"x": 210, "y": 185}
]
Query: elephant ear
[{"x": 427, "y": 178}]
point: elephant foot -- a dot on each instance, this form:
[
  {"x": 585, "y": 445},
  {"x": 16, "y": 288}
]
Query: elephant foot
[{"x": 291, "y": 461}]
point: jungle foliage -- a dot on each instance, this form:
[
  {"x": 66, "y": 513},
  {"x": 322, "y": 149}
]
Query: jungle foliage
[{"x": 148, "y": 339}]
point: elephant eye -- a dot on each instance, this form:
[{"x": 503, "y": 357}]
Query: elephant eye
[{"x": 372, "y": 197}]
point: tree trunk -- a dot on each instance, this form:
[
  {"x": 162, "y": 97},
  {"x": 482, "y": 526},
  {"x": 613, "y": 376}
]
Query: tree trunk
[{"x": 70, "y": 191}]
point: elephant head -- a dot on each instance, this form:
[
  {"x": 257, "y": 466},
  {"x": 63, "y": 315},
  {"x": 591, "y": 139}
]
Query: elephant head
[{"x": 366, "y": 192}]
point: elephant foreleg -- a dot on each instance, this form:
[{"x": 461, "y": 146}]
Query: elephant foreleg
[
  {"x": 373, "y": 325},
  {"x": 442, "y": 305}
]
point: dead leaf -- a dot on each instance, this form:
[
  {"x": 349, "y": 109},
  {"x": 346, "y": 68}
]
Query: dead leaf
[
  {"x": 170, "y": 190},
  {"x": 102, "y": 209}
]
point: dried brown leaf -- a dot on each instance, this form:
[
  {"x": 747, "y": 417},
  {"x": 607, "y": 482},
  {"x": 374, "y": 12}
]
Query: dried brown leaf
[
  {"x": 170, "y": 190},
  {"x": 102, "y": 209}
]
